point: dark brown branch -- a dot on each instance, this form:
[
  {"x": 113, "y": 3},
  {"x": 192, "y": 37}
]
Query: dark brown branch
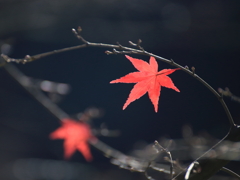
[
  {"x": 28, "y": 58},
  {"x": 124, "y": 50},
  {"x": 209, "y": 166},
  {"x": 171, "y": 62},
  {"x": 230, "y": 172},
  {"x": 118, "y": 158}
]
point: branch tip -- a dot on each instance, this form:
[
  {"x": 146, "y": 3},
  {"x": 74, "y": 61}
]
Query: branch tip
[
  {"x": 79, "y": 29},
  {"x": 115, "y": 51},
  {"x": 139, "y": 42},
  {"x": 120, "y": 46},
  {"x": 139, "y": 46},
  {"x": 108, "y": 52},
  {"x": 74, "y": 31},
  {"x": 193, "y": 69},
  {"x": 131, "y": 43},
  {"x": 77, "y": 34}
]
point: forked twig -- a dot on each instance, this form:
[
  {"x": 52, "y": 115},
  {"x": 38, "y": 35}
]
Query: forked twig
[
  {"x": 228, "y": 93},
  {"x": 158, "y": 147}
]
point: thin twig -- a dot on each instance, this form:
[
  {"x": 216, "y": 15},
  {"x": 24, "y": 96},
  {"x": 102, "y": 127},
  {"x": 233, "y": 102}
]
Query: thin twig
[
  {"x": 42, "y": 55},
  {"x": 228, "y": 93},
  {"x": 158, "y": 147},
  {"x": 230, "y": 172},
  {"x": 148, "y": 176},
  {"x": 35, "y": 92}
]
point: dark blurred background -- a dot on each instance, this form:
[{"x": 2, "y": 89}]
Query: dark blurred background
[{"x": 204, "y": 34}]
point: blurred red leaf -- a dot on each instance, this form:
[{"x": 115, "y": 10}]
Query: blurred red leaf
[
  {"x": 76, "y": 136},
  {"x": 147, "y": 79}
]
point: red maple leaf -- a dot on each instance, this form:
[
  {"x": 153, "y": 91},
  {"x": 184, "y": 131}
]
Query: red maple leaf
[
  {"x": 147, "y": 79},
  {"x": 76, "y": 136}
]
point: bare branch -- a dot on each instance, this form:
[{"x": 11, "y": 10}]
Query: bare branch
[
  {"x": 158, "y": 147},
  {"x": 230, "y": 172},
  {"x": 190, "y": 169},
  {"x": 118, "y": 158},
  {"x": 208, "y": 166},
  {"x": 124, "y": 50},
  {"x": 77, "y": 34},
  {"x": 39, "y": 56},
  {"x": 26, "y": 83}
]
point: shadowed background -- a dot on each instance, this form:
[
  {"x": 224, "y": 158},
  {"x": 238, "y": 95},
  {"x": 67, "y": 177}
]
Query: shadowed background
[{"x": 204, "y": 34}]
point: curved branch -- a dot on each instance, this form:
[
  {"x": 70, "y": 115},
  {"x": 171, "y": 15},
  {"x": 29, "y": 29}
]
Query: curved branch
[
  {"x": 124, "y": 50},
  {"x": 118, "y": 158},
  {"x": 230, "y": 172},
  {"x": 214, "y": 164},
  {"x": 209, "y": 166}
]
